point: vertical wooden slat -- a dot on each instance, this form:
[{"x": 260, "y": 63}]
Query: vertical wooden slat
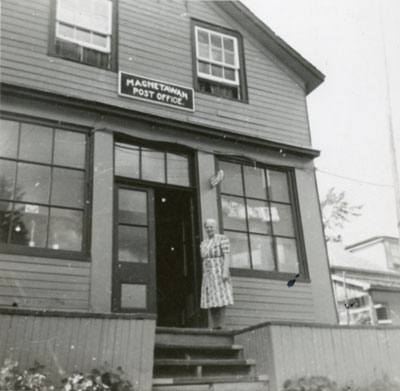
[{"x": 5, "y": 324}]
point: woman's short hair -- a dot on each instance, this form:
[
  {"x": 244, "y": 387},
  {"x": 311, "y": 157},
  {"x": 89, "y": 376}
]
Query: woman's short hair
[{"x": 210, "y": 221}]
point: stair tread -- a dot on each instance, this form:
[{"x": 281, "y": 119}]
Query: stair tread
[
  {"x": 166, "y": 345},
  {"x": 210, "y": 379},
  {"x": 188, "y": 331},
  {"x": 203, "y": 362}
]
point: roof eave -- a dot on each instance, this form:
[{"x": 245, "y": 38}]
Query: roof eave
[{"x": 291, "y": 58}]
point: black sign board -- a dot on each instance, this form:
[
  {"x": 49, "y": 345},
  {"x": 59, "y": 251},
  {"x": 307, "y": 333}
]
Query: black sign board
[{"x": 156, "y": 91}]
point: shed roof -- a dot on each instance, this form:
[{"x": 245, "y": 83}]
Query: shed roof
[{"x": 284, "y": 52}]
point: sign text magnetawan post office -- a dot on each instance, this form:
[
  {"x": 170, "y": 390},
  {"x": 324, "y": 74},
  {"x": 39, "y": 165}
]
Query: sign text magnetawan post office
[{"x": 139, "y": 87}]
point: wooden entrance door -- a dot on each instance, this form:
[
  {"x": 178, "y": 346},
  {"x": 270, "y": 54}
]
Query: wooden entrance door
[{"x": 134, "y": 250}]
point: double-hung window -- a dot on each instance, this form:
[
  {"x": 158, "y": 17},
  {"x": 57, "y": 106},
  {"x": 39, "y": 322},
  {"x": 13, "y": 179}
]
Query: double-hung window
[
  {"x": 43, "y": 189},
  {"x": 219, "y": 64},
  {"x": 83, "y": 31},
  {"x": 258, "y": 214}
]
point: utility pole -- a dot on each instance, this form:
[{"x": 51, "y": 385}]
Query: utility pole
[{"x": 392, "y": 142}]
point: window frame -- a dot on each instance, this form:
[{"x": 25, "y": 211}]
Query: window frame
[
  {"x": 297, "y": 224},
  {"x": 84, "y": 254},
  {"x": 384, "y": 305},
  {"x": 240, "y": 58},
  {"x": 113, "y": 39}
]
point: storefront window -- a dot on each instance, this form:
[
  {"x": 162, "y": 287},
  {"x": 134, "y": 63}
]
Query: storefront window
[
  {"x": 152, "y": 165},
  {"x": 42, "y": 186},
  {"x": 257, "y": 216}
]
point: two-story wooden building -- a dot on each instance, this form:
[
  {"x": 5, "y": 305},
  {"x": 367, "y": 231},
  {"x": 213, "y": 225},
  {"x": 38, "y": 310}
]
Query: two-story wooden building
[{"x": 115, "y": 115}]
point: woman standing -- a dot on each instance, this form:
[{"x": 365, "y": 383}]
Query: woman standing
[{"x": 216, "y": 289}]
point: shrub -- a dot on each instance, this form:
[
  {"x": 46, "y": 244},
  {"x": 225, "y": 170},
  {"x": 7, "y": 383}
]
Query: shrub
[{"x": 35, "y": 379}]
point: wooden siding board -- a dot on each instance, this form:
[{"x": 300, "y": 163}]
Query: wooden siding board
[{"x": 288, "y": 95}]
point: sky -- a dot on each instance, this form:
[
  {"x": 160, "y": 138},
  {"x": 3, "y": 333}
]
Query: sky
[{"x": 348, "y": 113}]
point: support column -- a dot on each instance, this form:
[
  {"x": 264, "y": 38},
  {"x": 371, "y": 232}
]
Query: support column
[{"x": 102, "y": 223}]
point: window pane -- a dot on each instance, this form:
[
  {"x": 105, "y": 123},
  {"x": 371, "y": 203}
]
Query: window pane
[
  {"x": 202, "y": 36},
  {"x": 69, "y": 148},
  {"x": 233, "y": 212},
  {"x": 83, "y": 35},
  {"x": 36, "y": 143},
  {"x": 282, "y": 219},
  {"x": 278, "y": 186},
  {"x": 228, "y": 44},
  {"x": 68, "y": 187},
  {"x": 239, "y": 250},
  {"x": 232, "y": 182},
  {"x": 204, "y": 50},
  {"x": 261, "y": 252},
  {"x": 132, "y": 244},
  {"x": 204, "y": 67},
  {"x": 8, "y": 138},
  {"x": 287, "y": 255},
  {"x": 216, "y": 54},
  {"x": 229, "y": 58},
  {"x": 127, "y": 160},
  {"x": 5, "y": 220},
  {"x": 153, "y": 165},
  {"x": 258, "y": 215},
  {"x": 100, "y": 40},
  {"x": 65, "y": 31},
  {"x": 7, "y": 179},
  {"x": 29, "y": 225},
  {"x": 177, "y": 169},
  {"x": 255, "y": 182},
  {"x": 132, "y": 207},
  {"x": 216, "y": 70},
  {"x": 33, "y": 182},
  {"x": 229, "y": 74},
  {"x": 133, "y": 296},
  {"x": 216, "y": 40},
  {"x": 66, "y": 227}
]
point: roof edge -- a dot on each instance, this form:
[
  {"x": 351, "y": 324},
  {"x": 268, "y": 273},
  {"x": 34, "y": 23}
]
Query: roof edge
[
  {"x": 312, "y": 76},
  {"x": 371, "y": 240}
]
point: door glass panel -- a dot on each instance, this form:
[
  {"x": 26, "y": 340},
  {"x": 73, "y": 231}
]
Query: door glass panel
[
  {"x": 127, "y": 160},
  {"x": 178, "y": 169},
  {"x": 132, "y": 207},
  {"x": 132, "y": 244},
  {"x": 133, "y": 296},
  {"x": 153, "y": 165}
]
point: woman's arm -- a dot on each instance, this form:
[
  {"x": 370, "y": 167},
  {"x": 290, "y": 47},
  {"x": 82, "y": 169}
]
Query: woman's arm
[{"x": 225, "y": 246}]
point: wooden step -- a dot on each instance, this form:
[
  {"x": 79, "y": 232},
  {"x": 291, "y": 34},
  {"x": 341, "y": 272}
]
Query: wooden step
[
  {"x": 216, "y": 386},
  {"x": 168, "y": 350},
  {"x": 191, "y": 337},
  {"x": 210, "y": 380},
  {"x": 202, "y": 368}
]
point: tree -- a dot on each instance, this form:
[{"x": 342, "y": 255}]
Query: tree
[{"x": 336, "y": 211}]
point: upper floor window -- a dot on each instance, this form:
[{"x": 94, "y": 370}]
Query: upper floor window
[
  {"x": 83, "y": 31},
  {"x": 43, "y": 188},
  {"x": 259, "y": 217},
  {"x": 219, "y": 62}
]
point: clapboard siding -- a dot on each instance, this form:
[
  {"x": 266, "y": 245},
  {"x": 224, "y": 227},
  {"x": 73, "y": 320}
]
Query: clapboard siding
[
  {"x": 356, "y": 356},
  {"x": 33, "y": 282},
  {"x": 154, "y": 41},
  {"x": 64, "y": 344},
  {"x": 261, "y": 300}
]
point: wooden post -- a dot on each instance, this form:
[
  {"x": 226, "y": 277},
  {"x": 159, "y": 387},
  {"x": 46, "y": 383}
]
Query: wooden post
[{"x": 346, "y": 298}]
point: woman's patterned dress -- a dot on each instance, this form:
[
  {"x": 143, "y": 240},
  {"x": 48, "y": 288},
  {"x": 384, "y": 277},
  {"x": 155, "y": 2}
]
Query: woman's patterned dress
[{"x": 214, "y": 291}]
